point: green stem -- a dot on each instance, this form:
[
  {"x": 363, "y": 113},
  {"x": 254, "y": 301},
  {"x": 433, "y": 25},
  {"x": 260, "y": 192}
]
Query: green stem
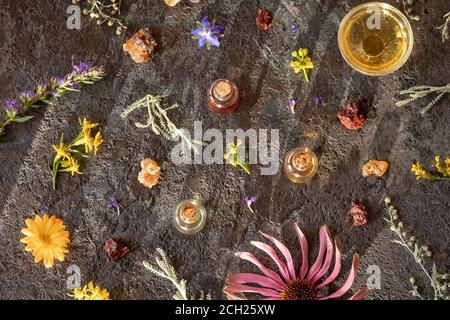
[{"x": 306, "y": 75}]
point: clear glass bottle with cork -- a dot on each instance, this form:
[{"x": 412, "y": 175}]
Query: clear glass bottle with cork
[
  {"x": 300, "y": 165},
  {"x": 223, "y": 96},
  {"x": 190, "y": 215}
]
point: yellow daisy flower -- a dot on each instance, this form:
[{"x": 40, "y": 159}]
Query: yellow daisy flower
[
  {"x": 46, "y": 238},
  {"x": 90, "y": 292}
]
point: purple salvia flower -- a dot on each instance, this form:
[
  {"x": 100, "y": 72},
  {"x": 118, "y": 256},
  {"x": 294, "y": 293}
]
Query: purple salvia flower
[
  {"x": 114, "y": 204},
  {"x": 294, "y": 28},
  {"x": 318, "y": 100},
  {"x": 12, "y": 106},
  {"x": 250, "y": 200},
  {"x": 207, "y": 33},
  {"x": 81, "y": 67}
]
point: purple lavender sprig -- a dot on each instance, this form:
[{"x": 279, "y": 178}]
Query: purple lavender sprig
[{"x": 46, "y": 92}]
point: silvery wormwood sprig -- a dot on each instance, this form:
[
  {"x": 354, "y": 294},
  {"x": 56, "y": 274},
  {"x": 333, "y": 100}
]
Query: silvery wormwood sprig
[
  {"x": 419, "y": 92},
  {"x": 158, "y": 119},
  {"x": 165, "y": 270},
  {"x": 440, "y": 283},
  {"x": 46, "y": 93},
  {"x": 445, "y": 28}
]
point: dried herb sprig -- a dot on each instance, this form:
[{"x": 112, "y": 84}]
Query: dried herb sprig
[
  {"x": 442, "y": 170},
  {"x": 158, "y": 119},
  {"x": 440, "y": 283},
  {"x": 409, "y": 10},
  {"x": 165, "y": 270},
  {"x": 45, "y": 93},
  {"x": 419, "y": 92},
  {"x": 102, "y": 12},
  {"x": 233, "y": 158},
  {"x": 445, "y": 28}
]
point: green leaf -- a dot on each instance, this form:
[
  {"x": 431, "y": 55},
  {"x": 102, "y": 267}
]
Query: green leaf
[{"x": 22, "y": 119}]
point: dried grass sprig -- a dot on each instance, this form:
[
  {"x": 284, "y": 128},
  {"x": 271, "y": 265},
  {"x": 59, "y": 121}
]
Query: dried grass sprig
[
  {"x": 158, "y": 119},
  {"x": 440, "y": 283},
  {"x": 419, "y": 92},
  {"x": 165, "y": 270}
]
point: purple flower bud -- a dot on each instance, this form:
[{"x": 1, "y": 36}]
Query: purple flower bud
[
  {"x": 318, "y": 100},
  {"x": 114, "y": 204},
  {"x": 54, "y": 93},
  {"x": 59, "y": 79},
  {"x": 250, "y": 200},
  {"x": 28, "y": 95},
  {"x": 81, "y": 67},
  {"x": 294, "y": 28},
  {"x": 292, "y": 102},
  {"x": 75, "y": 85},
  {"x": 12, "y": 106},
  {"x": 42, "y": 86}
]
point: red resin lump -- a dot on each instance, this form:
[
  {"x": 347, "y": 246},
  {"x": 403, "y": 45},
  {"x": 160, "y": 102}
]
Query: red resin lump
[
  {"x": 115, "y": 249},
  {"x": 264, "y": 19},
  {"x": 358, "y": 213},
  {"x": 352, "y": 116}
]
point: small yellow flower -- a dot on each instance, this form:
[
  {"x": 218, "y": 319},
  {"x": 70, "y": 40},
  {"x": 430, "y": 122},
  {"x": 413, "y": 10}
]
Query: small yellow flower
[
  {"x": 97, "y": 142},
  {"x": 86, "y": 125},
  {"x": 71, "y": 165},
  {"x": 90, "y": 292},
  {"x": 302, "y": 62},
  {"x": 444, "y": 170},
  {"x": 419, "y": 171},
  {"x": 62, "y": 151},
  {"x": 46, "y": 238}
]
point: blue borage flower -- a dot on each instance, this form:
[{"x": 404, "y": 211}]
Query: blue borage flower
[{"x": 207, "y": 33}]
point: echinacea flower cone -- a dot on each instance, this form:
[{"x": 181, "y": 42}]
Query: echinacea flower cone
[
  {"x": 287, "y": 284},
  {"x": 46, "y": 238}
]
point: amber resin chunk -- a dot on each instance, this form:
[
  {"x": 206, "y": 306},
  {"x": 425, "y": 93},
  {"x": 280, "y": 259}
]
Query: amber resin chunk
[
  {"x": 150, "y": 173},
  {"x": 375, "y": 168},
  {"x": 140, "y": 46},
  {"x": 115, "y": 249}
]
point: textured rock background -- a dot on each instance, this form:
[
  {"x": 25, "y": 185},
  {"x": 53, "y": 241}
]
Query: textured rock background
[{"x": 35, "y": 43}]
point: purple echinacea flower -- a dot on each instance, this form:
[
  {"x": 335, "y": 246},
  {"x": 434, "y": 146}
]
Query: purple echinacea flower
[{"x": 208, "y": 33}]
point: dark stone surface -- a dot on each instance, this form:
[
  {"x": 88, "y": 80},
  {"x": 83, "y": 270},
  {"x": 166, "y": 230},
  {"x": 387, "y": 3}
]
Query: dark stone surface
[{"x": 35, "y": 43}]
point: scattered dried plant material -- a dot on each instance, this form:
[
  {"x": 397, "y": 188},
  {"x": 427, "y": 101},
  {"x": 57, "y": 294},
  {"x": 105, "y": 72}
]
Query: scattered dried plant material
[
  {"x": 358, "y": 213},
  {"x": 140, "y": 46},
  {"x": 189, "y": 213},
  {"x": 150, "y": 173},
  {"x": 264, "y": 19},
  {"x": 352, "y": 116},
  {"x": 375, "y": 168},
  {"x": 115, "y": 249}
]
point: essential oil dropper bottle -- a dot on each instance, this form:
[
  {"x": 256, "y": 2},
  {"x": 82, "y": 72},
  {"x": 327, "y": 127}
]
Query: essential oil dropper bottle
[{"x": 223, "y": 96}]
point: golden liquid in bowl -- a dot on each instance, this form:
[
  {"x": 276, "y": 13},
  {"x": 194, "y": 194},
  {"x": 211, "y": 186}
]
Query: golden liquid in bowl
[{"x": 375, "y": 51}]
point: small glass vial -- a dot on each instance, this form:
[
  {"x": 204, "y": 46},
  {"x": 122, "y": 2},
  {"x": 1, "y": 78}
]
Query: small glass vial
[
  {"x": 301, "y": 165},
  {"x": 223, "y": 96},
  {"x": 190, "y": 215}
]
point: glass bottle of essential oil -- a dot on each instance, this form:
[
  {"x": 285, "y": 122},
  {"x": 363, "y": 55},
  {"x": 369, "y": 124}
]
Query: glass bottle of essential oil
[
  {"x": 223, "y": 96},
  {"x": 301, "y": 165},
  {"x": 190, "y": 216}
]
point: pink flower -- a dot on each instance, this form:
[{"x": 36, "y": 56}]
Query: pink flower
[{"x": 287, "y": 285}]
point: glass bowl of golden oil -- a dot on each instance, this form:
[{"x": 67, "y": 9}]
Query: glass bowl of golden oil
[{"x": 375, "y": 39}]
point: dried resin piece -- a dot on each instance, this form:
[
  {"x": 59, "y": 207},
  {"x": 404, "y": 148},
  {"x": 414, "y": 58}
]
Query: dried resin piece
[
  {"x": 358, "y": 213},
  {"x": 150, "y": 173},
  {"x": 264, "y": 19},
  {"x": 172, "y": 3},
  {"x": 352, "y": 116},
  {"x": 115, "y": 249},
  {"x": 375, "y": 168},
  {"x": 140, "y": 46}
]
